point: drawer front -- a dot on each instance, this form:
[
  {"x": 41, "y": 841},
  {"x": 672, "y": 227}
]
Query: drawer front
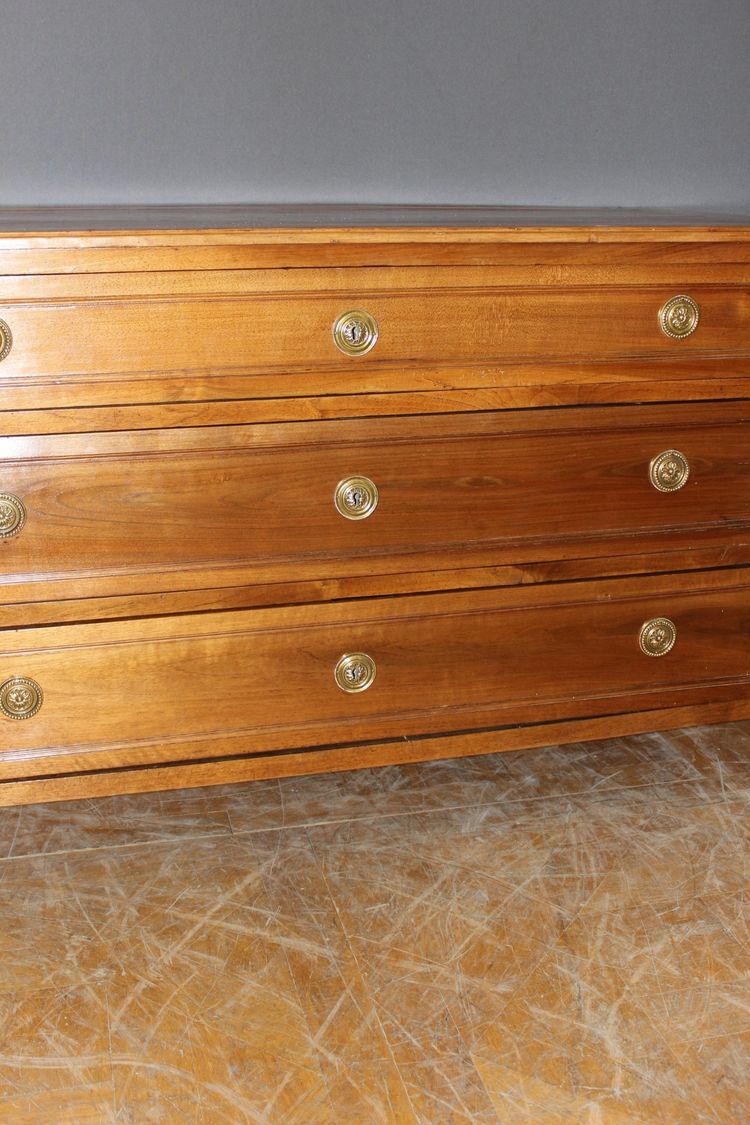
[
  {"x": 440, "y": 663},
  {"x": 293, "y": 333},
  {"x": 267, "y": 498}
]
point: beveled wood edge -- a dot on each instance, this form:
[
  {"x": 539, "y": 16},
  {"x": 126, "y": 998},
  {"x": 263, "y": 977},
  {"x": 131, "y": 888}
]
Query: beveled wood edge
[
  {"x": 44, "y": 257},
  {"x": 444, "y": 568},
  {"x": 136, "y": 405},
  {"x": 649, "y": 273},
  {"x": 305, "y": 434},
  {"x": 318, "y": 217},
  {"x": 144, "y": 415},
  {"x": 448, "y": 603},
  {"x": 385, "y": 224},
  {"x": 676, "y": 557},
  {"x": 392, "y": 752}
]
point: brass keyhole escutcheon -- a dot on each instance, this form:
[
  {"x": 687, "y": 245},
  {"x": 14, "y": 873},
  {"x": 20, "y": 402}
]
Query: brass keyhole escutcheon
[
  {"x": 679, "y": 317},
  {"x": 657, "y": 636},
  {"x": 354, "y": 672},
  {"x": 356, "y": 498},
  {"x": 12, "y": 515},
  {"x": 6, "y": 339},
  {"x": 669, "y": 471},
  {"x": 355, "y": 332},
  {"x": 20, "y": 697}
]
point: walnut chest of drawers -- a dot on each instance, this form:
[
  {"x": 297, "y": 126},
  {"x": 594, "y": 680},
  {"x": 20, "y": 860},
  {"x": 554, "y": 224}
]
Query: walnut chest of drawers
[{"x": 286, "y": 491}]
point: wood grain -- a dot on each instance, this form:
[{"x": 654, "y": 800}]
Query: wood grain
[
  {"x": 105, "y": 509},
  {"x": 283, "y": 333},
  {"x": 523, "y": 386},
  {"x": 96, "y": 240},
  {"x": 458, "y": 661},
  {"x": 175, "y": 416},
  {"x": 259, "y": 767}
]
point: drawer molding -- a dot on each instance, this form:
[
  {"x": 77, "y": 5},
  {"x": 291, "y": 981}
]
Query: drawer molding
[{"x": 292, "y": 488}]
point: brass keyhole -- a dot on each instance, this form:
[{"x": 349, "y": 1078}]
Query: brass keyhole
[
  {"x": 356, "y": 498},
  {"x": 355, "y": 332}
]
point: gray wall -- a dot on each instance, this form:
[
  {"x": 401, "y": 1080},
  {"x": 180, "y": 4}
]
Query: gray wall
[{"x": 516, "y": 101}]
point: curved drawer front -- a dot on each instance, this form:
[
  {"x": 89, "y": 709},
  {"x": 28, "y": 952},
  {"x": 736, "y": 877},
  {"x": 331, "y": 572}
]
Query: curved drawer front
[
  {"x": 300, "y": 333},
  {"x": 361, "y": 670},
  {"x": 276, "y": 497}
]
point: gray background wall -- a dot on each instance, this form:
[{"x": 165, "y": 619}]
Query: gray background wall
[{"x": 515, "y": 101}]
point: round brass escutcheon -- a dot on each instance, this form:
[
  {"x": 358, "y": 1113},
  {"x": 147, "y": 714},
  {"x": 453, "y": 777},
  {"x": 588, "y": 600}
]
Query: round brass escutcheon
[
  {"x": 669, "y": 470},
  {"x": 6, "y": 339},
  {"x": 12, "y": 515},
  {"x": 20, "y": 697},
  {"x": 657, "y": 636},
  {"x": 356, "y": 498},
  {"x": 679, "y": 317},
  {"x": 355, "y": 332},
  {"x": 355, "y": 671}
]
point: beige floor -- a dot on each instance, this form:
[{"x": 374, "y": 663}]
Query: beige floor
[{"x": 552, "y": 936}]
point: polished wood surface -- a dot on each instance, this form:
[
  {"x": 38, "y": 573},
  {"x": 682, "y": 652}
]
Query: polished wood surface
[
  {"x": 240, "y": 767},
  {"x": 525, "y": 385},
  {"x": 284, "y": 346},
  {"x": 240, "y": 590},
  {"x": 262, "y": 680},
  {"x": 175, "y": 417},
  {"x": 434, "y": 327},
  {"x": 103, "y": 509},
  {"x": 94, "y": 240}
]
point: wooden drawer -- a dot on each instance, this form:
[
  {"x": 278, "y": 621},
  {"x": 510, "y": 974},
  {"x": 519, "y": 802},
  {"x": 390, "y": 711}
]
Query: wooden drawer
[
  {"x": 83, "y": 351},
  {"x": 259, "y": 501},
  {"x": 257, "y": 680},
  {"x": 178, "y": 415}
]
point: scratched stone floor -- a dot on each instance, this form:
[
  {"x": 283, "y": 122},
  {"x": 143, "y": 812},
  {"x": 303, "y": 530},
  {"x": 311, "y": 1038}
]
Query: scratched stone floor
[{"x": 553, "y": 936}]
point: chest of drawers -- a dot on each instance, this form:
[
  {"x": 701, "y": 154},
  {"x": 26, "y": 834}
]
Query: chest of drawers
[{"x": 287, "y": 491}]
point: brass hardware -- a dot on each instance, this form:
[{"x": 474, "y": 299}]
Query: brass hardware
[
  {"x": 657, "y": 636},
  {"x": 355, "y": 332},
  {"x": 679, "y": 317},
  {"x": 20, "y": 697},
  {"x": 355, "y": 671},
  {"x": 669, "y": 470},
  {"x": 356, "y": 498},
  {"x": 6, "y": 339},
  {"x": 12, "y": 515}
]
